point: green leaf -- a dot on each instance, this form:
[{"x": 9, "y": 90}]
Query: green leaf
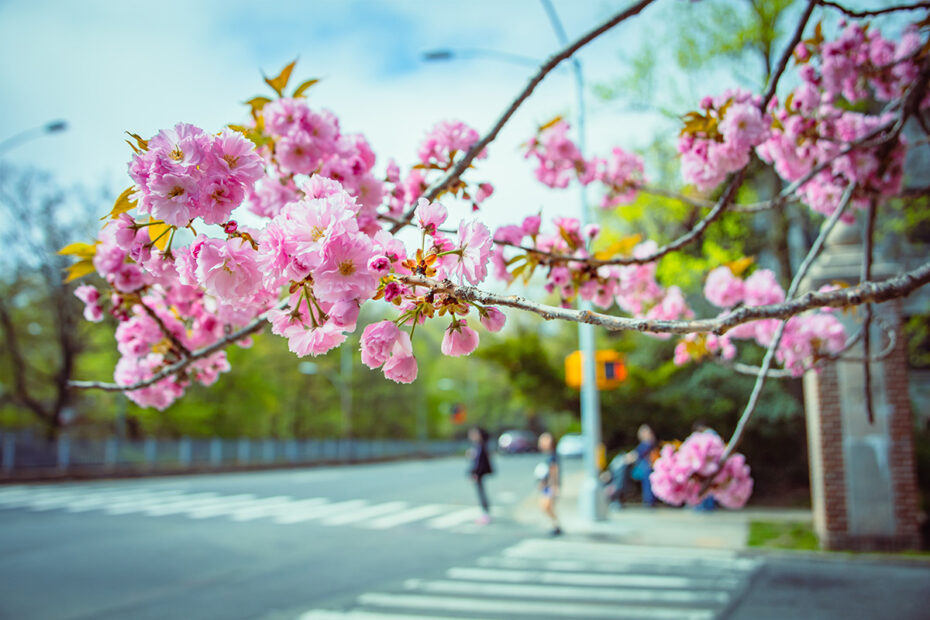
[
  {"x": 304, "y": 86},
  {"x": 122, "y": 205},
  {"x": 279, "y": 82}
]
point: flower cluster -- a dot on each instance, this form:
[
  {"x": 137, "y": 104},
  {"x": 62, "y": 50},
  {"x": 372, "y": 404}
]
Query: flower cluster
[
  {"x": 186, "y": 173},
  {"x": 564, "y": 252},
  {"x": 558, "y": 160},
  {"x": 720, "y": 139},
  {"x": 805, "y": 339},
  {"x": 814, "y": 126},
  {"x": 691, "y": 472},
  {"x": 306, "y": 142}
]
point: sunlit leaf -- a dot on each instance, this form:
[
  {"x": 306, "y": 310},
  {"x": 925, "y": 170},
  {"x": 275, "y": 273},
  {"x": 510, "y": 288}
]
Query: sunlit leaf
[
  {"x": 122, "y": 205},
  {"x": 622, "y": 247},
  {"x": 159, "y": 234},
  {"x": 140, "y": 145},
  {"x": 279, "y": 82},
  {"x": 81, "y": 250},
  {"x": 80, "y": 269},
  {"x": 739, "y": 266},
  {"x": 552, "y": 123},
  {"x": 304, "y": 86},
  {"x": 257, "y": 103}
]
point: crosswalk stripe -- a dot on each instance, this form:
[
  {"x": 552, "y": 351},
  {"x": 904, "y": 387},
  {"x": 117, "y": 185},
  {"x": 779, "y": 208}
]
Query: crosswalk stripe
[
  {"x": 95, "y": 500},
  {"x": 353, "y": 614},
  {"x": 454, "y": 518},
  {"x": 575, "y": 610},
  {"x": 584, "y": 593},
  {"x": 222, "y": 505},
  {"x": 316, "y": 512},
  {"x": 590, "y": 579},
  {"x": 26, "y": 498},
  {"x": 565, "y": 549},
  {"x": 182, "y": 505},
  {"x": 266, "y": 507},
  {"x": 730, "y": 568},
  {"x": 407, "y": 516},
  {"x": 376, "y": 510},
  {"x": 127, "y": 505}
]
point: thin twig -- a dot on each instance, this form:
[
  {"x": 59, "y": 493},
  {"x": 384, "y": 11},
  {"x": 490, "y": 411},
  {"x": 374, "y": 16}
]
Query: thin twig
[
  {"x": 770, "y": 352},
  {"x": 181, "y": 348},
  {"x": 875, "y": 12},
  {"x": 255, "y": 325},
  {"x": 786, "y": 55},
  {"x": 462, "y": 164}
]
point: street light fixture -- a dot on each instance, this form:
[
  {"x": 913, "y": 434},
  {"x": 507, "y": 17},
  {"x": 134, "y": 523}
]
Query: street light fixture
[
  {"x": 591, "y": 502},
  {"x": 56, "y": 126}
]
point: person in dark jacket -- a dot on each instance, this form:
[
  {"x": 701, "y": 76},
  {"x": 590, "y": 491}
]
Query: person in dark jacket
[{"x": 480, "y": 466}]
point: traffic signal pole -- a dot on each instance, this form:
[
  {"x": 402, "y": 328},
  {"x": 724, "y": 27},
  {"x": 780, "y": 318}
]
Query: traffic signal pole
[{"x": 592, "y": 504}]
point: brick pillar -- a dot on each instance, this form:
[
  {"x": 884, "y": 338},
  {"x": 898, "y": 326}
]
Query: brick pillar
[{"x": 863, "y": 478}]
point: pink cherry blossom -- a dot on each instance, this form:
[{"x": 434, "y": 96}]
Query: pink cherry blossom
[{"x": 459, "y": 339}]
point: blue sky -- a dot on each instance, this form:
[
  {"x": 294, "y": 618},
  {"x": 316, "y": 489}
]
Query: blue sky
[{"x": 107, "y": 67}]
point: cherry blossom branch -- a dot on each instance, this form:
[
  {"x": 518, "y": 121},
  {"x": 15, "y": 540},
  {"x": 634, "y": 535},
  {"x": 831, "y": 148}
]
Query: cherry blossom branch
[
  {"x": 254, "y": 326},
  {"x": 786, "y": 55},
  {"x": 183, "y": 350},
  {"x": 462, "y": 164},
  {"x": 885, "y": 290},
  {"x": 751, "y": 207},
  {"x": 782, "y": 373},
  {"x": 812, "y": 255},
  {"x": 875, "y": 12}
]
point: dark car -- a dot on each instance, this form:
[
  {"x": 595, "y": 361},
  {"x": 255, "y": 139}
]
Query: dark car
[{"x": 513, "y": 442}]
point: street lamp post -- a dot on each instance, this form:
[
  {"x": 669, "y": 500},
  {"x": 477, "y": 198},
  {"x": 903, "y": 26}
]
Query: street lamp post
[
  {"x": 32, "y": 133},
  {"x": 591, "y": 501}
]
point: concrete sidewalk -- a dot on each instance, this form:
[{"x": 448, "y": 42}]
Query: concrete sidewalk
[{"x": 662, "y": 525}]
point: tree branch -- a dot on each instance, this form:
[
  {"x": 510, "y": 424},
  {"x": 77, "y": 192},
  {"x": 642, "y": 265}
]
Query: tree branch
[
  {"x": 456, "y": 171},
  {"x": 776, "y": 340},
  {"x": 255, "y": 325},
  {"x": 182, "y": 350},
  {"x": 875, "y": 12},
  {"x": 786, "y": 55}
]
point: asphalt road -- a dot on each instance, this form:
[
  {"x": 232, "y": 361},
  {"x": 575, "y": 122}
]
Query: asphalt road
[
  {"x": 250, "y": 545},
  {"x": 388, "y": 541}
]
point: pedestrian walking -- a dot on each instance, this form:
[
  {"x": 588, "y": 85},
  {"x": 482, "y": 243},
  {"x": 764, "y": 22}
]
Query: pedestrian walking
[
  {"x": 547, "y": 475},
  {"x": 479, "y": 467}
]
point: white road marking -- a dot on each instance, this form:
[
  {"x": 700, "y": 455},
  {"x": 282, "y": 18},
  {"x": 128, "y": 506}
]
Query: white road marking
[
  {"x": 692, "y": 598},
  {"x": 407, "y": 516},
  {"x": 316, "y": 512},
  {"x": 267, "y": 507},
  {"x": 366, "y": 513},
  {"x": 589, "y": 579},
  {"x": 222, "y": 506},
  {"x": 183, "y": 505},
  {"x": 454, "y": 518},
  {"x": 323, "y": 614},
  {"x": 93, "y": 501},
  {"x": 720, "y": 567},
  {"x": 575, "y": 609}
]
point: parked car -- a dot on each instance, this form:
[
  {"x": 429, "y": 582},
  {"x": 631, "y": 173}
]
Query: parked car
[
  {"x": 513, "y": 442},
  {"x": 570, "y": 446}
]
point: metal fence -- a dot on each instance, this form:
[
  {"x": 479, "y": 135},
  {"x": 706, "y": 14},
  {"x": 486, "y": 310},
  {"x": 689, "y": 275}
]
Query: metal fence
[{"x": 24, "y": 454}]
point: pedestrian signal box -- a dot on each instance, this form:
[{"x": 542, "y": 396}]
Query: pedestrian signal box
[{"x": 611, "y": 369}]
